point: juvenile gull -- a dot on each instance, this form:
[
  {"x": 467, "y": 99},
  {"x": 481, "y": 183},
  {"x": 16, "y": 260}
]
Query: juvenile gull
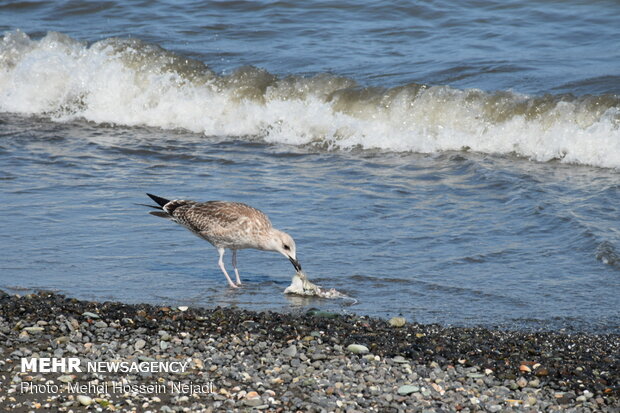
[{"x": 231, "y": 225}]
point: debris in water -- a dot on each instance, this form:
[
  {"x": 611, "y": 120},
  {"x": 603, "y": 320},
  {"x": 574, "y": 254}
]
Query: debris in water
[{"x": 300, "y": 285}]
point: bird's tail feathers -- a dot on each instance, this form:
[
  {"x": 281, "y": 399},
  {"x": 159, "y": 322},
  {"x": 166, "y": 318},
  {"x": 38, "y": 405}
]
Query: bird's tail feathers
[
  {"x": 150, "y": 206},
  {"x": 160, "y": 214},
  {"x": 167, "y": 206},
  {"x": 159, "y": 200},
  {"x": 160, "y": 207}
]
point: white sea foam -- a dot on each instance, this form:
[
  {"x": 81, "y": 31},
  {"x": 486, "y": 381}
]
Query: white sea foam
[{"x": 127, "y": 82}]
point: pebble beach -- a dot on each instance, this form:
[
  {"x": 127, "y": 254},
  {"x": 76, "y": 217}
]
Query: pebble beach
[{"x": 241, "y": 361}]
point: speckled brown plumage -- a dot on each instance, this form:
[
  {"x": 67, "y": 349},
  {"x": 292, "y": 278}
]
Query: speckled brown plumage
[
  {"x": 224, "y": 224},
  {"x": 231, "y": 225}
]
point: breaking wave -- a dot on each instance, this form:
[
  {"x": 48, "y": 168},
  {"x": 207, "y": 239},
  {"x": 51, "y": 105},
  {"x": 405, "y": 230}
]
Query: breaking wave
[{"x": 129, "y": 82}]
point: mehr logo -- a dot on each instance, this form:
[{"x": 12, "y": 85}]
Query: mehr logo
[
  {"x": 72, "y": 364},
  {"x": 51, "y": 365}
]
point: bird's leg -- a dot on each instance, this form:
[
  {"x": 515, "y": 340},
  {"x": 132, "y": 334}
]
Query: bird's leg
[
  {"x": 234, "y": 264},
  {"x": 223, "y": 268}
]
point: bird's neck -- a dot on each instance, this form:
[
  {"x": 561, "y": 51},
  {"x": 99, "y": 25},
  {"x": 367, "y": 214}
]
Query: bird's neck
[{"x": 269, "y": 240}]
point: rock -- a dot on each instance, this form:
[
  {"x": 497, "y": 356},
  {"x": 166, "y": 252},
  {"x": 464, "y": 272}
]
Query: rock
[
  {"x": 84, "y": 400},
  {"x": 183, "y": 308},
  {"x": 399, "y": 359},
  {"x": 397, "y": 321},
  {"x": 407, "y": 389},
  {"x": 254, "y": 402},
  {"x": 103, "y": 402},
  {"x": 357, "y": 349},
  {"x": 34, "y": 330},
  {"x": 139, "y": 345},
  {"x": 199, "y": 364},
  {"x": 88, "y": 314},
  {"x": 65, "y": 378},
  {"x": 101, "y": 324},
  {"x": 290, "y": 351},
  {"x": 541, "y": 372},
  {"x": 521, "y": 382},
  {"x": 564, "y": 398}
]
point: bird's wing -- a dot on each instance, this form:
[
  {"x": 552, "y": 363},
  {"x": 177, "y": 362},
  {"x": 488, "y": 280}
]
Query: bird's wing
[{"x": 219, "y": 218}]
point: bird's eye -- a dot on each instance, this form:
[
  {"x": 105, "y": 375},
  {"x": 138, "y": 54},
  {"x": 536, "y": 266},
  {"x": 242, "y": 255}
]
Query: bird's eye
[{"x": 286, "y": 247}]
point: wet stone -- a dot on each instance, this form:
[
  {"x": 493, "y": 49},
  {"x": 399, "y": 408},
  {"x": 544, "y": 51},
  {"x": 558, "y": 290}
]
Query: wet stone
[
  {"x": 407, "y": 389},
  {"x": 88, "y": 314},
  {"x": 397, "y": 322},
  {"x": 357, "y": 349}
]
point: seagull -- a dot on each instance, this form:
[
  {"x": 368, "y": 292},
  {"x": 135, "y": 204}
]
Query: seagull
[{"x": 231, "y": 225}]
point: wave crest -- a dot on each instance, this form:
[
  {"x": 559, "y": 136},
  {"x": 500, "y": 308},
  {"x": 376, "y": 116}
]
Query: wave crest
[{"x": 129, "y": 82}]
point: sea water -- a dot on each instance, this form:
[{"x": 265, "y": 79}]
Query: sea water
[{"x": 451, "y": 162}]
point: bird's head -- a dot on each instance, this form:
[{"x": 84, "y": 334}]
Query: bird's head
[{"x": 284, "y": 244}]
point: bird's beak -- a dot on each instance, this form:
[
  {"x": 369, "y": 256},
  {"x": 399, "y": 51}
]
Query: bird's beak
[{"x": 295, "y": 263}]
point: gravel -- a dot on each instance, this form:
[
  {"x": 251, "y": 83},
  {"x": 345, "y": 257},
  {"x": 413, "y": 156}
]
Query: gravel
[{"x": 239, "y": 360}]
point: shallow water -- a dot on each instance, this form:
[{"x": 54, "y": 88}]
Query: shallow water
[{"x": 427, "y": 160}]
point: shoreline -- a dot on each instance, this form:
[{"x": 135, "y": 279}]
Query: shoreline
[{"x": 241, "y": 360}]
